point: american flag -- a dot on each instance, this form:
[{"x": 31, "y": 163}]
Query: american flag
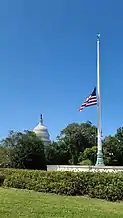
[{"x": 90, "y": 101}]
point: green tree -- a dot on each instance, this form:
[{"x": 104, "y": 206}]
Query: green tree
[
  {"x": 119, "y": 138},
  {"x": 26, "y": 150},
  {"x": 4, "y": 156},
  {"x": 113, "y": 149},
  {"x": 77, "y": 137},
  {"x": 110, "y": 151},
  {"x": 119, "y": 135},
  {"x": 89, "y": 154},
  {"x": 57, "y": 153}
]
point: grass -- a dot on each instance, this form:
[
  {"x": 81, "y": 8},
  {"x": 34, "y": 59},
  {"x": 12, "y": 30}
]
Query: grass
[{"x": 16, "y": 203}]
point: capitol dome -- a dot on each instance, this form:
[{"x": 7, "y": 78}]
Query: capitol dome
[{"x": 42, "y": 132}]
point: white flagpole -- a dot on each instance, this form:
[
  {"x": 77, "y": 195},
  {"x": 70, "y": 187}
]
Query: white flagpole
[{"x": 99, "y": 152}]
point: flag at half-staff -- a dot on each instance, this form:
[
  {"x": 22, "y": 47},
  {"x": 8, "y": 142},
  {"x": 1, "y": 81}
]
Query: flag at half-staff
[
  {"x": 90, "y": 101},
  {"x": 93, "y": 100}
]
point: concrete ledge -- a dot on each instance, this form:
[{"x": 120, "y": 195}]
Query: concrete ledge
[{"x": 77, "y": 168}]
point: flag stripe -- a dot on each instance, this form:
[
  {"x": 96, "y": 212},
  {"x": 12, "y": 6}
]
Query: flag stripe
[
  {"x": 90, "y": 104},
  {"x": 90, "y": 101}
]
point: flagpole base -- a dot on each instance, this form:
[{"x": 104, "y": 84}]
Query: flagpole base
[{"x": 100, "y": 161}]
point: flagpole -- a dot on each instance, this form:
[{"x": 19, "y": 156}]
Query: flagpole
[{"x": 99, "y": 151}]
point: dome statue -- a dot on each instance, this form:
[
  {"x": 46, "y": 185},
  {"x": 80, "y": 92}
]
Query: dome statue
[{"x": 42, "y": 132}]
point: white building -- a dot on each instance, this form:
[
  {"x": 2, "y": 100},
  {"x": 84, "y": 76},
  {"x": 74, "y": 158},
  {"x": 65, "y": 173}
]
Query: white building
[{"x": 42, "y": 132}]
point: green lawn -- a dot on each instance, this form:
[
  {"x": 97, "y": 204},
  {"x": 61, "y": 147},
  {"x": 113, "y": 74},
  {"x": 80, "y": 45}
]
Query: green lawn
[{"x": 22, "y": 203}]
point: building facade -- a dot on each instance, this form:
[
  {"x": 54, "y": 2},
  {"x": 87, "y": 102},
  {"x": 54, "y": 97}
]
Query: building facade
[{"x": 42, "y": 132}]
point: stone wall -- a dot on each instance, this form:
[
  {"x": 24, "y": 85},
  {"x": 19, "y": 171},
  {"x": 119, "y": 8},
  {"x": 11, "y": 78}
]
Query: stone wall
[{"x": 77, "y": 168}]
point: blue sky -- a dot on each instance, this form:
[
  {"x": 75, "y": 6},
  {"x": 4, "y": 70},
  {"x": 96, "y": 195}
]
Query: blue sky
[{"x": 48, "y": 63}]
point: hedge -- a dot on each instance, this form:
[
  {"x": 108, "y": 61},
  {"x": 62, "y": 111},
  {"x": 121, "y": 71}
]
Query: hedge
[{"x": 102, "y": 185}]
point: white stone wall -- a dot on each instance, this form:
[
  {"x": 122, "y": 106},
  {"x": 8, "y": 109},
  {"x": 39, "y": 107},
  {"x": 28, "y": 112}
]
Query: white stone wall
[{"x": 77, "y": 168}]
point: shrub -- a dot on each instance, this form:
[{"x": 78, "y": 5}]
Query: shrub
[
  {"x": 102, "y": 185},
  {"x": 86, "y": 162}
]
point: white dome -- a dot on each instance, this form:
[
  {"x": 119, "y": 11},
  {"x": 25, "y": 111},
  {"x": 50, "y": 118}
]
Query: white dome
[{"x": 42, "y": 132}]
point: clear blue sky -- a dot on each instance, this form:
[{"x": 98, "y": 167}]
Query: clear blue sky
[{"x": 48, "y": 62}]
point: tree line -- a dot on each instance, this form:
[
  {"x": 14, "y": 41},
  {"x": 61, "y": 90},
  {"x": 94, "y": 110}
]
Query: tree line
[{"x": 76, "y": 144}]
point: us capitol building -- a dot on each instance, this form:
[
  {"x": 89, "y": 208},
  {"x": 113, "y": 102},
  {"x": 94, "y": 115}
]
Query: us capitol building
[{"x": 42, "y": 132}]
